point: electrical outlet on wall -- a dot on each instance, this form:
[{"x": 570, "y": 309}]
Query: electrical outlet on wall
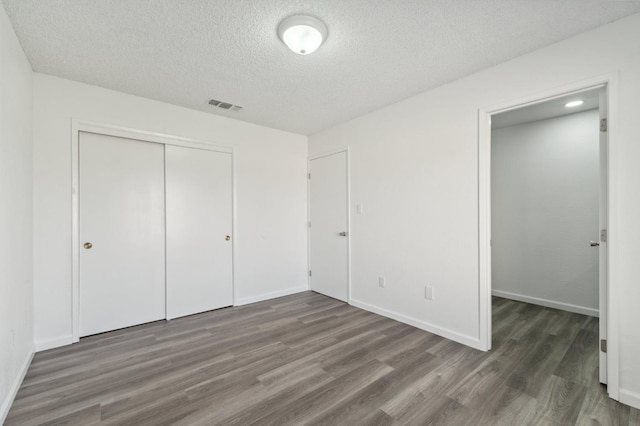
[
  {"x": 381, "y": 281},
  {"x": 428, "y": 292}
]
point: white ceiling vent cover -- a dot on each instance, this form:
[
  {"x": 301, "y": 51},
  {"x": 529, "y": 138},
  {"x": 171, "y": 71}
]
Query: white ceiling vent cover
[{"x": 224, "y": 105}]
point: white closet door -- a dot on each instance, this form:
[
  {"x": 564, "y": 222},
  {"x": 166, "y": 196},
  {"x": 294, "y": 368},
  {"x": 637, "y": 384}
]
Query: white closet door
[
  {"x": 122, "y": 277},
  {"x": 199, "y": 224}
]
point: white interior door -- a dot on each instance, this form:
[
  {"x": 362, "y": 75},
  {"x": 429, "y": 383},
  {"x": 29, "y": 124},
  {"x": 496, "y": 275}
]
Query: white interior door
[
  {"x": 199, "y": 225},
  {"x": 329, "y": 225},
  {"x": 121, "y": 200},
  {"x": 603, "y": 109}
]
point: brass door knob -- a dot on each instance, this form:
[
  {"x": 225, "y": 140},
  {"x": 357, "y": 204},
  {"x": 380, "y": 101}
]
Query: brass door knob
[
  {"x": 88, "y": 245},
  {"x": 228, "y": 237}
]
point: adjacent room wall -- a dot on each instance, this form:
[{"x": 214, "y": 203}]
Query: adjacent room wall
[
  {"x": 270, "y": 183},
  {"x": 16, "y": 213},
  {"x": 544, "y": 212},
  {"x": 414, "y": 168}
]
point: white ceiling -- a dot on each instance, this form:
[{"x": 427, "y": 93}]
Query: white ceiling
[
  {"x": 547, "y": 109},
  {"x": 378, "y": 52}
]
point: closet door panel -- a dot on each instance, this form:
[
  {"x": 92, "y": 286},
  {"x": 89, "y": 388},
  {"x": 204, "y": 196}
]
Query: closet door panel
[
  {"x": 198, "y": 230},
  {"x": 121, "y": 203}
]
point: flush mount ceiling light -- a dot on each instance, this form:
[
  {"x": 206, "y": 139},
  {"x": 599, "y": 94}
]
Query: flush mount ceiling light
[
  {"x": 573, "y": 104},
  {"x": 303, "y": 34}
]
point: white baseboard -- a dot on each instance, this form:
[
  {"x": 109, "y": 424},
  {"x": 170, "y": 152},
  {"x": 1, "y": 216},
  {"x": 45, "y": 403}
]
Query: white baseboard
[
  {"x": 630, "y": 398},
  {"x": 272, "y": 295},
  {"x": 474, "y": 342},
  {"x": 547, "y": 303},
  {"x": 11, "y": 395},
  {"x": 56, "y": 342}
]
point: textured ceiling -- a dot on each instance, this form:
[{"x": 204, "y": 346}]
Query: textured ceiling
[{"x": 378, "y": 52}]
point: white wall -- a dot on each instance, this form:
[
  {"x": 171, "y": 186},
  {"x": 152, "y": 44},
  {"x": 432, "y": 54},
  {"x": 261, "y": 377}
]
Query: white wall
[
  {"x": 544, "y": 212},
  {"x": 414, "y": 167},
  {"x": 271, "y": 193},
  {"x": 16, "y": 213}
]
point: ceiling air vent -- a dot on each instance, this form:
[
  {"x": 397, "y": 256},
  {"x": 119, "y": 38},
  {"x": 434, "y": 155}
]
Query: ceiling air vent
[{"x": 224, "y": 105}]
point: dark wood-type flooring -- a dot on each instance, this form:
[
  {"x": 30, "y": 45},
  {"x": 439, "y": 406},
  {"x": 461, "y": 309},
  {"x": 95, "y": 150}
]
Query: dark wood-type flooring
[{"x": 309, "y": 359}]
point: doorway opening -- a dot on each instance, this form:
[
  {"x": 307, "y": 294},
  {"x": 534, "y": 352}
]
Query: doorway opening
[{"x": 544, "y": 210}]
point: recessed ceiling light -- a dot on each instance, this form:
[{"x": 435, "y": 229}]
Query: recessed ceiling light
[
  {"x": 302, "y": 34},
  {"x": 573, "y": 104}
]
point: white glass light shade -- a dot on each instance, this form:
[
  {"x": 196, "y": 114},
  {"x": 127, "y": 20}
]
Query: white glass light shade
[{"x": 302, "y": 34}]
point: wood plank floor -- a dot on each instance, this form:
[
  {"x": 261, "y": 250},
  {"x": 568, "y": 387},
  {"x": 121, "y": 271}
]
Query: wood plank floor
[{"x": 309, "y": 359}]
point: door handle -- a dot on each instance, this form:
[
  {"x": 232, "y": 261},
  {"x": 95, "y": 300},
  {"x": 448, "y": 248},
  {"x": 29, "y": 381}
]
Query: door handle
[
  {"x": 88, "y": 245},
  {"x": 594, "y": 244},
  {"x": 342, "y": 234}
]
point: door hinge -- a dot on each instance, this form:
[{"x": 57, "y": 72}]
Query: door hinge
[
  {"x": 309, "y": 272},
  {"x": 308, "y": 175},
  {"x": 603, "y": 124},
  {"x": 603, "y": 345},
  {"x": 603, "y": 235},
  {"x": 309, "y": 224}
]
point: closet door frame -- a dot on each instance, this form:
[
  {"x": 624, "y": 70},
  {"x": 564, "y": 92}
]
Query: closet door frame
[{"x": 77, "y": 126}]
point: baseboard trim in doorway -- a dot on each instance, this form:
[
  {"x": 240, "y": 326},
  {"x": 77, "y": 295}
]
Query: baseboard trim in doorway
[
  {"x": 630, "y": 398},
  {"x": 272, "y": 295},
  {"x": 547, "y": 303},
  {"x": 13, "y": 391},
  {"x": 56, "y": 342},
  {"x": 473, "y": 342}
]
